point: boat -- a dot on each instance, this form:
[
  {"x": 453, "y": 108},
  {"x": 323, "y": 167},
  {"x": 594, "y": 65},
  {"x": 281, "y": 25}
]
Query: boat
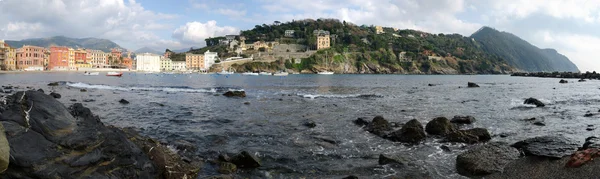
[
  {"x": 264, "y": 73},
  {"x": 250, "y": 74},
  {"x": 91, "y": 73},
  {"x": 281, "y": 74},
  {"x": 225, "y": 72},
  {"x": 117, "y": 74},
  {"x": 326, "y": 66}
]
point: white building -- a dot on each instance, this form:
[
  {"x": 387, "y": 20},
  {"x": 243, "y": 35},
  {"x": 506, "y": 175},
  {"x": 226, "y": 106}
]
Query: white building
[
  {"x": 166, "y": 64},
  {"x": 289, "y": 33},
  {"x": 179, "y": 66},
  {"x": 148, "y": 62},
  {"x": 210, "y": 58}
]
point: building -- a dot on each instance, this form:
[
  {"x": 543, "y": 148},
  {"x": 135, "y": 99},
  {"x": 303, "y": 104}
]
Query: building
[
  {"x": 98, "y": 58},
  {"x": 167, "y": 54},
  {"x": 30, "y": 58},
  {"x": 81, "y": 60},
  {"x": 323, "y": 42},
  {"x": 209, "y": 59},
  {"x": 194, "y": 61},
  {"x": 320, "y": 32},
  {"x": 127, "y": 61},
  {"x": 166, "y": 64},
  {"x": 10, "y": 62},
  {"x": 72, "y": 59},
  {"x": 148, "y": 62},
  {"x": 59, "y": 58},
  {"x": 289, "y": 33},
  {"x": 179, "y": 66},
  {"x": 379, "y": 30},
  {"x": 3, "y": 52}
]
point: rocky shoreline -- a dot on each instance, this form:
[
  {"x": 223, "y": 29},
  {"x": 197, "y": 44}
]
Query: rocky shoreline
[{"x": 586, "y": 75}]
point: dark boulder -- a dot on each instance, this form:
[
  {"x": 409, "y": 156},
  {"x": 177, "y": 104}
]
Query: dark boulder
[
  {"x": 379, "y": 126},
  {"x": 534, "y": 101},
  {"x": 412, "y": 132},
  {"x": 310, "y": 124},
  {"x": 83, "y": 90},
  {"x": 547, "y": 146},
  {"x": 89, "y": 100},
  {"x": 53, "y": 84},
  {"x": 123, "y": 101},
  {"x": 246, "y": 160},
  {"x": 240, "y": 94},
  {"x": 431, "y": 84},
  {"x": 463, "y": 120},
  {"x": 470, "y": 136},
  {"x": 581, "y": 80},
  {"x": 472, "y": 85},
  {"x": 563, "y": 81},
  {"x": 227, "y": 168},
  {"x": 73, "y": 100},
  {"x": 361, "y": 121},
  {"x": 588, "y": 115},
  {"x": 55, "y": 95},
  {"x": 385, "y": 159},
  {"x": 185, "y": 146},
  {"x": 350, "y": 177},
  {"x": 485, "y": 159},
  {"x": 591, "y": 142},
  {"x": 40, "y": 90},
  {"x": 539, "y": 123},
  {"x": 439, "y": 126}
]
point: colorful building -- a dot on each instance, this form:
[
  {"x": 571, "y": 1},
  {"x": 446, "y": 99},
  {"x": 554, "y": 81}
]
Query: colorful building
[
  {"x": 10, "y": 63},
  {"x": 323, "y": 42},
  {"x": 59, "y": 58},
  {"x": 115, "y": 53},
  {"x": 194, "y": 61},
  {"x": 81, "y": 60},
  {"x": 98, "y": 58},
  {"x": 31, "y": 58},
  {"x": 166, "y": 64},
  {"x": 72, "y": 59}
]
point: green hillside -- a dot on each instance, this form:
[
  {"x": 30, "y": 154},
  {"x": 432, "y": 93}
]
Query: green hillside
[{"x": 89, "y": 43}]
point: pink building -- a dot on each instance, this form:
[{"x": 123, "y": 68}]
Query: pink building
[{"x": 30, "y": 58}]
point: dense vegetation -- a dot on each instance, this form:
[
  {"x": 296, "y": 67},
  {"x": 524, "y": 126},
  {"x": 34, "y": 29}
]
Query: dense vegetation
[
  {"x": 521, "y": 54},
  {"x": 89, "y": 43}
]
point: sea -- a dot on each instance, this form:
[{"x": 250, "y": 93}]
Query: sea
[{"x": 269, "y": 122}]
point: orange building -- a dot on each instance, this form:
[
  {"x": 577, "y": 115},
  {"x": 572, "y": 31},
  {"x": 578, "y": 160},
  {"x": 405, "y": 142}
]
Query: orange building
[
  {"x": 116, "y": 54},
  {"x": 59, "y": 58},
  {"x": 30, "y": 58}
]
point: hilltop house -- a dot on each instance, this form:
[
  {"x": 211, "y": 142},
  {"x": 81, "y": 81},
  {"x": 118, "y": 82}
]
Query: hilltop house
[{"x": 289, "y": 33}]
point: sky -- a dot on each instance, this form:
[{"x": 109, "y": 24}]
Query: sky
[{"x": 570, "y": 26}]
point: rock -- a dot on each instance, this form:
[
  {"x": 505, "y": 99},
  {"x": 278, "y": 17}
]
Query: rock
[
  {"x": 73, "y": 142},
  {"x": 7, "y": 87},
  {"x": 55, "y": 95},
  {"x": 185, "y": 146},
  {"x": 240, "y": 94},
  {"x": 563, "y": 81},
  {"x": 430, "y": 84},
  {"x": 361, "y": 121},
  {"x": 40, "y": 90},
  {"x": 590, "y": 129},
  {"x": 463, "y": 120},
  {"x": 246, "y": 160},
  {"x": 547, "y": 146},
  {"x": 53, "y": 84},
  {"x": 4, "y": 150},
  {"x": 472, "y": 85},
  {"x": 123, "y": 101},
  {"x": 83, "y": 90},
  {"x": 89, "y": 100},
  {"x": 588, "y": 115},
  {"x": 310, "y": 124},
  {"x": 539, "y": 123},
  {"x": 73, "y": 100},
  {"x": 247, "y": 103},
  {"x": 581, "y": 80},
  {"x": 224, "y": 158},
  {"x": 485, "y": 159},
  {"x": 227, "y": 168},
  {"x": 439, "y": 126},
  {"x": 579, "y": 158},
  {"x": 445, "y": 148},
  {"x": 379, "y": 126},
  {"x": 470, "y": 136},
  {"x": 389, "y": 159},
  {"x": 350, "y": 177},
  {"x": 530, "y": 119},
  {"x": 412, "y": 132},
  {"x": 534, "y": 101},
  {"x": 591, "y": 142}
]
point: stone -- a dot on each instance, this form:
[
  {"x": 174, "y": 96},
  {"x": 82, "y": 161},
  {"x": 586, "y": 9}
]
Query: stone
[
  {"x": 361, "y": 121},
  {"x": 547, "y": 146},
  {"x": 53, "y": 84},
  {"x": 385, "y": 159},
  {"x": 73, "y": 100},
  {"x": 563, "y": 81},
  {"x": 89, "y": 100},
  {"x": 431, "y": 84},
  {"x": 582, "y": 157},
  {"x": 83, "y": 90},
  {"x": 55, "y": 95},
  {"x": 227, "y": 168},
  {"x": 350, "y": 177},
  {"x": 40, "y": 90},
  {"x": 185, "y": 146},
  {"x": 412, "y": 132},
  {"x": 470, "y": 136},
  {"x": 439, "y": 126},
  {"x": 310, "y": 124},
  {"x": 445, "y": 148},
  {"x": 246, "y": 160},
  {"x": 588, "y": 115},
  {"x": 379, "y": 126},
  {"x": 591, "y": 142},
  {"x": 534, "y": 101},
  {"x": 485, "y": 159},
  {"x": 472, "y": 85},
  {"x": 4, "y": 150},
  {"x": 247, "y": 103},
  {"x": 581, "y": 80},
  {"x": 539, "y": 123},
  {"x": 123, "y": 101},
  {"x": 241, "y": 94},
  {"x": 224, "y": 158},
  {"x": 463, "y": 120}
]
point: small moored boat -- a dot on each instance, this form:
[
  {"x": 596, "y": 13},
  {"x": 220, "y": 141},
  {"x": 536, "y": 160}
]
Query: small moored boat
[
  {"x": 250, "y": 74},
  {"x": 91, "y": 73},
  {"x": 281, "y": 74},
  {"x": 117, "y": 74}
]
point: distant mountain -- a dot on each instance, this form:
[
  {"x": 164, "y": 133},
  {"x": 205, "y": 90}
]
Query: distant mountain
[
  {"x": 520, "y": 53},
  {"x": 89, "y": 43},
  {"x": 148, "y": 50}
]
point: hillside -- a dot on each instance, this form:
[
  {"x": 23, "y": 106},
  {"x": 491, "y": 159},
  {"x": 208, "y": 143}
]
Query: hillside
[
  {"x": 520, "y": 53},
  {"x": 148, "y": 50},
  {"x": 89, "y": 43}
]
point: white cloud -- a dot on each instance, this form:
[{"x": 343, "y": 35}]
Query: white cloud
[{"x": 196, "y": 32}]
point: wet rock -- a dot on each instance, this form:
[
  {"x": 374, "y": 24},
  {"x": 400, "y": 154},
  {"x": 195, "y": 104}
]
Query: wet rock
[
  {"x": 310, "y": 124},
  {"x": 431, "y": 84},
  {"x": 361, "y": 121},
  {"x": 224, "y": 158},
  {"x": 412, "y": 132},
  {"x": 350, "y": 177},
  {"x": 591, "y": 142},
  {"x": 588, "y": 115},
  {"x": 445, "y": 148},
  {"x": 227, "y": 168},
  {"x": 246, "y": 160},
  {"x": 123, "y": 101},
  {"x": 73, "y": 100},
  {"x": 55, "y": 95},
  {"x": 53, "y": 84},
  {"x": 185, "y": 146},
  {"x": 582, "y": 157},
  {"x": 439, "y": 126},
  {"x": 379, "y": 126},
  {"x": 7, "y": 87},
  {"x": 485, "y": 159},
  {"x": 539, "y": 123},
  {"x": 241, "y": 94},
  {"x": 89, "y": 100},
  {"x": 247, "y": 103},
  {"x": 4, "y": 150},
  {"x": 83, "y": 90},
  {"x": 463, "y": 120},
  {"x": 534, "y": 101},
  {"x": 581, "y": 80},
  {"x": 472, "y": 85},
  {"x": 470, "y": 136},
  {"x": 563, "y": 81},
  {"x": 530, "y": 119},
  {"x": 40, "y": 90},
  {"x": 385, "y": 159},
  {"x": 590, "y": 129},
  {"x": 547, "y": 146}
]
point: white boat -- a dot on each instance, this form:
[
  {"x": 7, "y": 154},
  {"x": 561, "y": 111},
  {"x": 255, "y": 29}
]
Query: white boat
[
  {"x": 281, "y": 74},
  {"x": 250, "y": 74},
  {"x": 91, "y": 73},
  {"x": 117, "y": 74},
  {"x": 264, "y": 73},
  {"x": 326, "y": 66},
  {"x": 225, "y": 72}
]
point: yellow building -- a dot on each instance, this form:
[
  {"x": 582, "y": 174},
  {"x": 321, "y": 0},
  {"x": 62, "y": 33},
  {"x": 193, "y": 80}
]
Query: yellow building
[
  {"x": 194, "y": 61},
  {"x": 72, "y": 65},
  {"x": 378, "y": 29},
  {"x": 11, "y": 58},
  {"x": 323, "y": 42}
]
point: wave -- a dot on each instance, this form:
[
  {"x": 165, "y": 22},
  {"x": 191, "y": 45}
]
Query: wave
[
  {"x": 314, "y": 96},
  {"x": 184, "y": 89}
]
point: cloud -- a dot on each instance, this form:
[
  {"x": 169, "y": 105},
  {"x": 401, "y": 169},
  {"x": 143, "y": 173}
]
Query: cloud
[
  {"x": 196, "y": 32},
  {"x": 232, "y": 13}
]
